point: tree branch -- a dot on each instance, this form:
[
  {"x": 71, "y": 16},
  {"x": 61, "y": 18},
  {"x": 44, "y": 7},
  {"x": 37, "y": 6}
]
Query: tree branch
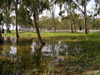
[{"x": 78, "y": 7}]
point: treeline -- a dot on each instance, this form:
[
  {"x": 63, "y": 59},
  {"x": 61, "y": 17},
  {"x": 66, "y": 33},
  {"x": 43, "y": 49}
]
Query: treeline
[{"x": 63, "y": 23}]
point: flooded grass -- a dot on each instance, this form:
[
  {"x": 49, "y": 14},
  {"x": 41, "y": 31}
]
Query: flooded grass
[{"x": 64, "y": 55}]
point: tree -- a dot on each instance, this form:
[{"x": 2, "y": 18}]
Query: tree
[
  {"x": 1, "y": 18},
  {"x": 16, "y": 12},
  {"x": 77, "y": 5},
  {"x": 13, "y": 21},
  {"x": 6, "y": 17},
  {"x": 96, "y": 23},
  {"x": 82, "y": 3},
  {"x": 37, "y": 28},
  {"x": 6, "y": 12},
  {"x": 53, "y": 15},
  {"x": 24, "y": 17}
]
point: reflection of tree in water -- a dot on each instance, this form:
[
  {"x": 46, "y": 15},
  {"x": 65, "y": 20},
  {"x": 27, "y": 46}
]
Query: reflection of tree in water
[
  {"x": 74, "y": 48},
  {"x": 38, "y": 56},
  {"x": 1, "y": 48},
  {"x": 24, "y": 41}
]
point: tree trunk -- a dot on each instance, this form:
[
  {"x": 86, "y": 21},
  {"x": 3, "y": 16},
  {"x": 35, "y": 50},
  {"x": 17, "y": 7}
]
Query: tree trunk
[
  {"x": 37, "y": 28},
  {"x": 71, "y": 26},
  {"x": 1, "y": 39},
  {"x": 16, "y": 11},
  {"x": 53, "y": 21},
  {"x": 74, "y": 24},
  {"x": 85, "y": 16}
]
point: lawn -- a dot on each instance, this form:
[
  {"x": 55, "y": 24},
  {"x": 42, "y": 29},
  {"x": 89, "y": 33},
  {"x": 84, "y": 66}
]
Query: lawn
[{"x": 68, "y": 36}]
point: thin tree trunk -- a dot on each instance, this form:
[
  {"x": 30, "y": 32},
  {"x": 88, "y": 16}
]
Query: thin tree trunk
[
  {"x": 37, "y": 28},
  {"x": 74, "y": 24},
  {"x": 70, "y": 22},
  {"x": 85, "y": 24},
  {"x": 1, "y": 39},
  {"x": 54, "y": 21},
  {"x": 71, "y": 19},
  {"x": 16, "y": 11}
]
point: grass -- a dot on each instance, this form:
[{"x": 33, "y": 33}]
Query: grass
[{"x": 63, "y": 36}]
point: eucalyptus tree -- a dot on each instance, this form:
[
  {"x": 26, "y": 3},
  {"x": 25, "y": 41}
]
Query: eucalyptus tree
[
  {"x": 6, "y": 12},
  {"x": 13, "y": 21},
  {"x": 78, "y": 4},
  {"x": 53, "y": 7},
  {"x": 8, "y": 5},
  {"x": 83, "y": 3},
  {"x": 6, "y": 16},
  {"x": 44, "y": 22},
  {"x": 95, "y": 23},
  {"x": 24, "y": 17},
  {"x": 40, "y": 8},
  {"x": 16, "y": 13},
  {"x": 36, "y": 9}
]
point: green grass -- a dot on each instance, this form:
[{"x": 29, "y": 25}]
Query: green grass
[{"x": 63, "y": 36}]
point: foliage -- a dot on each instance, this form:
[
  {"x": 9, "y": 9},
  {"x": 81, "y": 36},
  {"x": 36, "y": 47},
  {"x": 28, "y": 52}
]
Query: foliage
[
  {"x": 97, "y": 8},
  {"x": 24, "y": 17}
]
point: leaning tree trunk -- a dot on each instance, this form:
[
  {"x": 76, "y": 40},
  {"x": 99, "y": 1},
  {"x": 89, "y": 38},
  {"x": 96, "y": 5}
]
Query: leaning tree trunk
[
  {"x": 85, "y": 16},
  {"x": 36, "y": 25},
  {"x": 16, "y": 11}
]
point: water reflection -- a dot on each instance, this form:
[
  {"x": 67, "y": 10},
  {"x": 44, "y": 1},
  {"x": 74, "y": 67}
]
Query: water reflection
[
  {"x": 50, "y": 49},
  {"x": 28, "y": 53},
  {"x": 13, "y": 50}
]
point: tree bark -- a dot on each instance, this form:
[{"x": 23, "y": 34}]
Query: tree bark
[
  {"x": 16, "y": 11},
  {"x": 85, "y": 16},
  {"x": 36, "y": 25}
]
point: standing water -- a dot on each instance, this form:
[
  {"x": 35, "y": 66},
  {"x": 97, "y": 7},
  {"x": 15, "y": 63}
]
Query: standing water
[{"x": 26, "y": 56}]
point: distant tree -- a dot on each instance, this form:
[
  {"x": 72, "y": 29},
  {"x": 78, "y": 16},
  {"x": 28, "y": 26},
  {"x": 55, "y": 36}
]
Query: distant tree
[
  {"x": 7, "y": 18},
  {"x": 96, "y": 23},
  {"x": 53, "y": 7},
  {"x": 6, "y": 12},
  {"x": 77, "y": 5},
  {"x": 13, "y": 21}
]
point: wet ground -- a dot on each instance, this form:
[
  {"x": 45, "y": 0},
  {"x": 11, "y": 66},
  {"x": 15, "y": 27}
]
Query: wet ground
[{"x": 26, "y": 56}]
